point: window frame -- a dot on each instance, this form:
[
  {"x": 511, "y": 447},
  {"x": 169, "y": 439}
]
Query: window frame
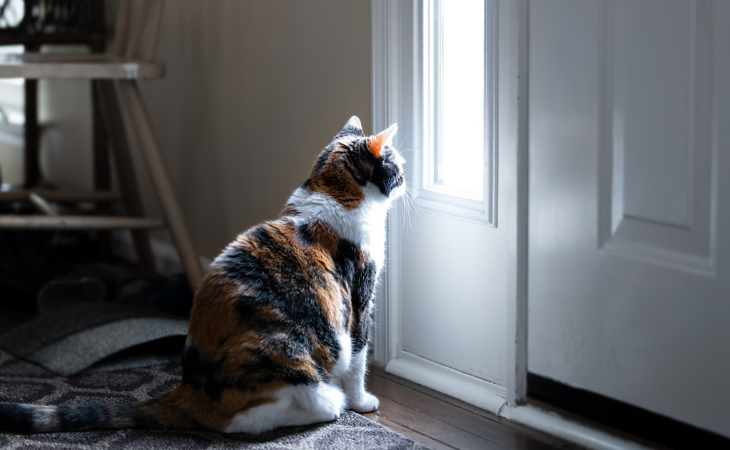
[{"x": 444, "y": 200}]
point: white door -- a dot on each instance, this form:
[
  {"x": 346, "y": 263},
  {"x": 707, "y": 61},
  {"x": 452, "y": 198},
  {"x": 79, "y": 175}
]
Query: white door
[
  {"x": 629, "y": 218},
  {"x": 450, "y": 278}
]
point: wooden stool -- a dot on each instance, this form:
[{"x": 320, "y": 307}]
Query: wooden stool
[
  {"x": 56, "y": 22},
  {"x": 132, "y": 59}
]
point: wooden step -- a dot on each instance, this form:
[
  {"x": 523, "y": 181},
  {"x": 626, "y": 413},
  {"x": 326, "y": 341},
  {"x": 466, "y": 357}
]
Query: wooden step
[
  {"x": 69, "y": 65},
  {"x": 23, "y": 222},
  {"x": 61, "y": 195}
]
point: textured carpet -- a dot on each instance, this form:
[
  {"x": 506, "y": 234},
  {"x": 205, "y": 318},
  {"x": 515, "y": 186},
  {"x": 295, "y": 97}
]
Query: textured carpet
[
  {"x": 25, "y": 382},
  {"x": 74, "y": 338}
]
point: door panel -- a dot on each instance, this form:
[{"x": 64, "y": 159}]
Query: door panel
[
  {"x": 454, "y": 285},
  {"x": 655, "y": 75},
  {"x": 629, "y": 267}
]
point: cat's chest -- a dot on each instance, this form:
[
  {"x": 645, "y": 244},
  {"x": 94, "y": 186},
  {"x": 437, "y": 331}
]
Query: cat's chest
[{"x": 373, "y": 247}]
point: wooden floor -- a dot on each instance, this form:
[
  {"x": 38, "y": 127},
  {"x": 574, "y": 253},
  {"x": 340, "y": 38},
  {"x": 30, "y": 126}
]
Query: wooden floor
[{"x": 442, "y": 422}]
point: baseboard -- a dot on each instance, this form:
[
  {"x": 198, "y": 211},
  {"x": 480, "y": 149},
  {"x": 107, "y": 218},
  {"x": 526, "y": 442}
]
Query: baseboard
[
  {"x": 476, "y": 391},
  {"x": 579, "y": 433},
  {"x": 621, "y": 416},
  {"x": 167, "y": 260}
]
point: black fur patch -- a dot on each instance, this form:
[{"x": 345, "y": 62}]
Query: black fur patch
[
  {"x": 138, "y": 418},
  {"x": 362, "y": 294},
  {"x": 292, "y": 297},
  {"x": 202, "y": 374},
  {"x": 361, "y": 284},
  {"x": 16, "y": 417},
  {"x": 305, "y": 236},
  {"x": 386, "y": 176},
  {"x": 322, "y": 160},
  {"x": 83, "y": 417},
  {"x": 349, "y": 130},
  {"x": 348, "y": 255},
  {"x": 296, "y": 343},
  {"x": 264, "y": 370},
  {"x": 360, "y": 163}
]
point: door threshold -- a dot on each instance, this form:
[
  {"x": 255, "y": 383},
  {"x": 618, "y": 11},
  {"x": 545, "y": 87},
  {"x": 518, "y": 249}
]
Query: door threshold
[{"x": 572, "y": 428}]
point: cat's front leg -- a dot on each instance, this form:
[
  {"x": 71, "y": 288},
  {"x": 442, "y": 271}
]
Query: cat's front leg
[{"x": 353, "y": 383}]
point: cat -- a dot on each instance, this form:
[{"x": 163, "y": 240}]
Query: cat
[{"x": 279, "y": 327}]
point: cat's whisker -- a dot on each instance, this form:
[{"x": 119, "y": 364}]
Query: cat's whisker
[
  {"x": 408, "y": 150},
  {"x": 409, "y": 204}
]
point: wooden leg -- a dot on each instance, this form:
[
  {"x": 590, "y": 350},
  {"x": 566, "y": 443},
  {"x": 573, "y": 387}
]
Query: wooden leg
[
  {"x": 102, "y": 172},
  {"x": 162, "y": 181},
  {"x": 112, "y": 116},
  {"x": 32, "y": 165}
]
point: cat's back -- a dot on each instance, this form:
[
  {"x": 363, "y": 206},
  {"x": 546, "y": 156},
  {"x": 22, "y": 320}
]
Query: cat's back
[{"x": 272, "y": 299}]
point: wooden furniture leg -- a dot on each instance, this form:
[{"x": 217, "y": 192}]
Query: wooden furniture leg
[
  {"x": 102, "y": 171},
  {"x": 114, "y": 124},
  {"x": 162, "y": 181},
  {"x": 32, "y": 165}
]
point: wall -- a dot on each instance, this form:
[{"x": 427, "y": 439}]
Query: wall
[{"x": 254, "y": 90}]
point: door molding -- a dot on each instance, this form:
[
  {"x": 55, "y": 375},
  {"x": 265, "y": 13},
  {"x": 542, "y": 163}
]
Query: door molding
[{"x": 397, "y": 42}]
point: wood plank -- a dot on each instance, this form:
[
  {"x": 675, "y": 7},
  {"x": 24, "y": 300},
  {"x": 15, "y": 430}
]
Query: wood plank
[
  {"x": 434, "y": 428},
  {"x": 31, "y": 132},
  {"x": 85, "y": 66},
  {"x": 61, "y": 195},
  {"x": 22, "y": 222},
  {"x": 146, "y": 46},
  {"x": 161, "y": 179},
  {"x": 138, "y": 18},
  {"x": 42, "y": 205},
  {"x": 455, "y": 416},
  {"x": 121, "y": 29},
  {"x": 379, "y": 372},
  {"x": 101, "y": 163},
  {"x": 127, "y": 176},
  {"x": 413, "y": 435}
]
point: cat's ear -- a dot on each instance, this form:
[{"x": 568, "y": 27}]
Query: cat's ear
[
  {"x": 385, "y": 137},
  {"x": 354, "y": 122},
  {"x": 353, "y": 127}
]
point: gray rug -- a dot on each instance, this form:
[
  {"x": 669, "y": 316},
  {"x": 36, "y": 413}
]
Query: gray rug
[
  {"x": 25, "y": 382},
  {"x": 74, "y": 338}
]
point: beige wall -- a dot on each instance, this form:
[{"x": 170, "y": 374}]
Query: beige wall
[{"x": 254, "y": 90}]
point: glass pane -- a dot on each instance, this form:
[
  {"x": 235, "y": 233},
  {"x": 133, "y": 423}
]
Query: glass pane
[{"x": 459, "y": 82}]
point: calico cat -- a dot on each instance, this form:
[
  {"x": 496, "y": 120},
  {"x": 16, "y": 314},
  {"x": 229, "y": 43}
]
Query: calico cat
[{"x": 279, "y": 326}]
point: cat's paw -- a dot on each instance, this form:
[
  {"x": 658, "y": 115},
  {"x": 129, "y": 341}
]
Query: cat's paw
[{"x": 364, "y": 402}]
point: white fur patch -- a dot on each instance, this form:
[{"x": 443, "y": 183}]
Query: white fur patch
[
  {"x": 295, "y": 405},
  {"x": 45, "y": 418},
  {"x": 353, "y": 382},
  {"x": 342, "y": 364},
  {"x": 363, "y": 226}
]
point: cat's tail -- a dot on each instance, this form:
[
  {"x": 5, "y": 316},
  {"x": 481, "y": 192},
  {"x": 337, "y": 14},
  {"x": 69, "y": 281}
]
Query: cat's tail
[{"x": 155, "y": 413}]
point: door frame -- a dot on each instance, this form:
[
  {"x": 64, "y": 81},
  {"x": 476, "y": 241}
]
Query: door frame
[{"x": 397, "y": 40}]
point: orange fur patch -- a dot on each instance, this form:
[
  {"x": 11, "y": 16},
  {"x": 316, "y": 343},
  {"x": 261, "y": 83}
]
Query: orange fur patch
[
  {"x": 336, "y": 182},
  {"x": 375, "y": 144},
  {"x": 289, "y": 211}
]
